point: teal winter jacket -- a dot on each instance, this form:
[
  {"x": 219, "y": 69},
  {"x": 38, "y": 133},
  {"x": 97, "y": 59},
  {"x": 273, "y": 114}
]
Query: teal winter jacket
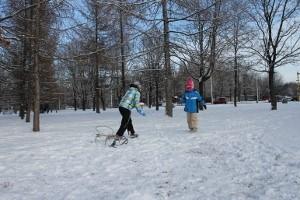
[{"x": 131, "y": 99}]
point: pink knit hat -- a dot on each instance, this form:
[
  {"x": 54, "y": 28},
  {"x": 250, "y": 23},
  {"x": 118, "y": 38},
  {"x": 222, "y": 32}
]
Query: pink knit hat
[{"x": 189, "y": 84}]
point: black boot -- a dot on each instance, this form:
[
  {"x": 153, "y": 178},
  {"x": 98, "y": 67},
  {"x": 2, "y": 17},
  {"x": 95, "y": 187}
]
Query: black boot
[
  {"x": 117, "y": 138},
  {"x": 113, "y": 144},
  {"x": 133, "y": 135}
]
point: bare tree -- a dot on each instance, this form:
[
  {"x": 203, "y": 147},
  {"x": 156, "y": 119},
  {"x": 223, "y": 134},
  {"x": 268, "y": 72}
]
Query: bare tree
[
  {"x": 28, "y": 25},
  {"x": 152, "y": 60},
  {"x": 198, "y": 48},
  {"x": 96, "y": 79},
  {"x": 238, "y": 38},
  {"x": 168, "y": 71},
  {"x": 122, "y": 47},
  {"x": 36, "y": 67},
  {"x": 278, "y": 26}
]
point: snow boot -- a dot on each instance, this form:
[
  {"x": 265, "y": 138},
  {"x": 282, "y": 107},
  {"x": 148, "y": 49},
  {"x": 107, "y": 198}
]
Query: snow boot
[
  {"x": 133, "y": 135},
  {"x": 113, "y": 144},
  {"x": 193, "y": 130},
  {"x": 120, "y": 139}
]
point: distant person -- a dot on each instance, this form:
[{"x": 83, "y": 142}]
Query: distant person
[
  {"x": 191, "y": 98},
  {"x": 129, "y": 101}
]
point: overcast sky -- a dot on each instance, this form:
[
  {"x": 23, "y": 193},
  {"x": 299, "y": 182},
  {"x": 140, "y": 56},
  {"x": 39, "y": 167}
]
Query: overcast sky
[{"x": 289, "y": 72}]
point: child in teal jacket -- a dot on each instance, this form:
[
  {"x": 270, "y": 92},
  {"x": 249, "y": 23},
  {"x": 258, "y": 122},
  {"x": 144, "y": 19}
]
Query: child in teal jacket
[{"x": 129, "y": 101}]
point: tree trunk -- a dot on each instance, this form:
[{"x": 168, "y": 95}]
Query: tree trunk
[
  {"x": 201, "y": 53},
  {"x": 94, "y": 103},
  {"x": 22, "y": 111},
  {"x": 74, "y": 98},
  {"x": 239, "y": 91},
  {"x": 97, "y": 89},
  {"x": 36, "y": 108},
  {"x": 212, "y": 56},
  {"x": 103, "y": 100},
  {"x": 272, "y": 88},
  {"x": 22, "y": 103},
  {"x": 245, "y": 94},
  {"x": 83, "y": 94},
  {"x": 150, "y": 96},
  {"x": 28, "y": 111},
  {"x": 28, "y": 75},
  {"x": 75, "y": 104},
  {"x": 24, "y": 64},
  {"x": 156, "y": 94},
  {"x": 168, "y": 72},
  {"x": 83, "y": 102},
  {"x": 28, "y": 101},
  {"x": 235, "y": 80},
  {"x": 122, "y": 53},
  {"x": 201, "y": 90}
]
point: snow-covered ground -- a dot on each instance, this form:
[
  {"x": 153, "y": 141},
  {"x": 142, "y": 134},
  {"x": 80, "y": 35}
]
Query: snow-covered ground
[{"x": 248, "y": 152}]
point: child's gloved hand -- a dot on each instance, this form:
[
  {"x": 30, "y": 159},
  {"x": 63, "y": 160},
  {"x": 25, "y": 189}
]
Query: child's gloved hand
[{"x": 141, "y": 111}]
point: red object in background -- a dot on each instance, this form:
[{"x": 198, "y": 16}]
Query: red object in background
[{"x": 220, "y": 100}]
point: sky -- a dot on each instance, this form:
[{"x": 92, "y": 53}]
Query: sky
[{"x": 289, "y": 72}]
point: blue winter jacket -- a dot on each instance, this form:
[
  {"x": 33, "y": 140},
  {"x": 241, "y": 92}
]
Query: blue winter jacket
[{"x": 191, "y": 99}]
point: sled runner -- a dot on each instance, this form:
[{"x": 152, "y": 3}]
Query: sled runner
[{"x": 107, "y": 134}]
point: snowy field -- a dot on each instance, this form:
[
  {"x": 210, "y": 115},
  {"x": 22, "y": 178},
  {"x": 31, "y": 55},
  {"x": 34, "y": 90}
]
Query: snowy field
[{"x": 249, "y": 152}]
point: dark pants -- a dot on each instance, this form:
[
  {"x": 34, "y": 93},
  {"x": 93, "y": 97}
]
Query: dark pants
[{"x": 126, "y": 122}]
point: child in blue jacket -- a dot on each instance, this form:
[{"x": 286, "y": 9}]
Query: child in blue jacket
[{"x": 191, "y": 98}]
